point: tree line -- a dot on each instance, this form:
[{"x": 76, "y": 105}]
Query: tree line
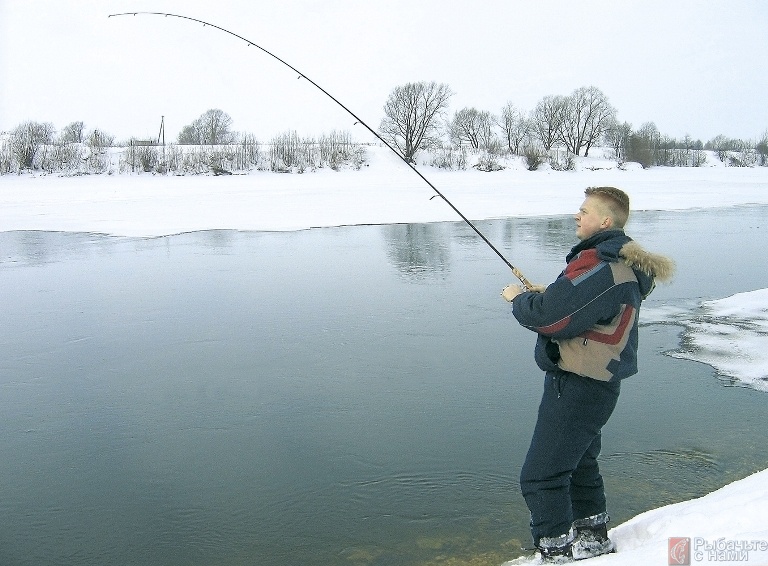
[
  {"x": 208, "y": 144},
  {"x": 416, "y": 119}
]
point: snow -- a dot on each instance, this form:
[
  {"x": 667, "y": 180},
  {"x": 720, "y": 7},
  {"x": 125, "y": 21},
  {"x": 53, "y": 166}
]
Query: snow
[
  {"x": 727, "y": 526},
  {"x": 384, "y": 192},
  {"x": 730, "y": 334}
]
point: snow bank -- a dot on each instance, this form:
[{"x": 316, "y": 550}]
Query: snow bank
[
  {"x": 727, "y": 526},
  {"x": 384, "y": 192}
]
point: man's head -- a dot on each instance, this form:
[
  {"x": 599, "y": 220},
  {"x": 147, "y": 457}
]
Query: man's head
[{"x": 605, "y": 208}]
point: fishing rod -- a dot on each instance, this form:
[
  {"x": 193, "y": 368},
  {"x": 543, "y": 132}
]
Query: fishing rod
[{"x": 517, "y": 273}]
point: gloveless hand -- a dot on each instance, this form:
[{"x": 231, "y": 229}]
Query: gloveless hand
[{"x": 510, "y": 292}]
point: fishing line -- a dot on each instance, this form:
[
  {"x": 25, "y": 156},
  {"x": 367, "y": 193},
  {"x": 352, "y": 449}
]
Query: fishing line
[{"x": 250, "y": 43}]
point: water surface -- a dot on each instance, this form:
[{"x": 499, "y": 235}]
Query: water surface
[{"x": 355, "y": 395}]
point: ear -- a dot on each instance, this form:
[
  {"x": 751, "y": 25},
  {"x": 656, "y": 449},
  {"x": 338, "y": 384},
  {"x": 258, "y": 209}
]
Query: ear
[{"x": 607, "y": 223}]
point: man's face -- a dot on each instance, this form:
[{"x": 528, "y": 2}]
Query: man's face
[{"x": 591, "y": 218}]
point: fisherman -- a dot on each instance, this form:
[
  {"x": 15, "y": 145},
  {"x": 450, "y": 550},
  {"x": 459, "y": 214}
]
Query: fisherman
[{"x": 586, "y": 322}]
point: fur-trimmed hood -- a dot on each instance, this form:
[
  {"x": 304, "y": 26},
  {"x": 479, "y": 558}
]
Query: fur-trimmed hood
[
  {"x": 615, "y": 246},
  {"x": 657, "y": 266}
]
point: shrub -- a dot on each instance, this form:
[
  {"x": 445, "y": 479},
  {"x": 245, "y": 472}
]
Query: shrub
[
  {"x": 65, "y": 157},
  {"x": 288, "y": 153},
  {"x": 534, "y": 156},
  {"x": 762, "y": 150},
  {"x": 147, "y": 158},
  {"x": 7, "y": 162},
  {"x": 566, "y": 162},
  {"x": 449, "y": 158},
  {"x": 639, "y": 149},
  {"x": 488, "y": 162},
  {"x": 27, "y": 139}
]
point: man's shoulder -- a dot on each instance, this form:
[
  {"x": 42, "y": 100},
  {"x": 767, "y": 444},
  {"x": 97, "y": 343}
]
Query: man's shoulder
[{"x": 583, "y": 266}]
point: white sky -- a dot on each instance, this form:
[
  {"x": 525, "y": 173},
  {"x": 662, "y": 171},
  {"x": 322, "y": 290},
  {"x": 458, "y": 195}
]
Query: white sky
[{"x": 692, "y": 66}]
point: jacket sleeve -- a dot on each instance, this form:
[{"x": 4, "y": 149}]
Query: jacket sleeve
[{"x": 577, "y": 300}]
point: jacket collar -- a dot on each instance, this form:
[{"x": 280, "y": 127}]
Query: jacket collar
[{"x": 608, "y": 243}]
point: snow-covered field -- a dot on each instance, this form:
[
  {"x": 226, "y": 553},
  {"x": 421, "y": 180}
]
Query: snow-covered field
[
  {"x": 384, "y": 192},
  {"x": 724, "y": 527}
]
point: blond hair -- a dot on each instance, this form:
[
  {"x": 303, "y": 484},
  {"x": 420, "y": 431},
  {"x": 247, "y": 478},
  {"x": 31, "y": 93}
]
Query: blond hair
[{"x": 616, "y": 203}]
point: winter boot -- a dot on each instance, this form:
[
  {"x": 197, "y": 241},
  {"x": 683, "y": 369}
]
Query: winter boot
[
  {"x": 556, "y": 550},
  {"x": 591, "y": 537}
]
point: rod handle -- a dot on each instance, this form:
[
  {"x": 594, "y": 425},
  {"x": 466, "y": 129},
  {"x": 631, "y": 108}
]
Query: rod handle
[{"x": 527, "y": 285}]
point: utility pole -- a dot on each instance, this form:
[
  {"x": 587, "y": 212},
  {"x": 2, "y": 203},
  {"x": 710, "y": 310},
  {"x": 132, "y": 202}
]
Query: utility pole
[{"x": 161, "y": 135}]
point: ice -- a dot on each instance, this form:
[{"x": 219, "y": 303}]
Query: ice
[{"x": 729, "y": 334}]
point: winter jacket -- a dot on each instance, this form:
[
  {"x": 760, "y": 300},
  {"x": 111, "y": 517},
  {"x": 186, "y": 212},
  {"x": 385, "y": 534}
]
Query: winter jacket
[{"x": 587, "y": 319}]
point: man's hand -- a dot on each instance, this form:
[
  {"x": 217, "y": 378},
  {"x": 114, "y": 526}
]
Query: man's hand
[{"x": 510, "y": 292}]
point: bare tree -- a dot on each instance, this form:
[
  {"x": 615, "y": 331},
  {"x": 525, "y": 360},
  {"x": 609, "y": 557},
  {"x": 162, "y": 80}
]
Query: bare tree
[
  {"x": 462, "y": 128},
  {"x": 514, "y": 126},
  {"x": 587, "y": 114},
  {"x": 215, "y": 127},
  {"x": 488, "y": 139},
  {"x": 412, "y": 115},
  {"x": 644, "y": 146},
  {"x": 547, "y": 119},
  {"x": 472, "y": 126},
  {"x": 720, "y": 145},
  {"x": 188, "y": 136},
  {"x": 762, "y": 148},
  {"x": 27, "y": 139},
  {"x": 99, "y": 140},
  {"x": 617, "y": 137},
  {"x": 72, "y": 133},
  {"x": 211, "y": 128}
]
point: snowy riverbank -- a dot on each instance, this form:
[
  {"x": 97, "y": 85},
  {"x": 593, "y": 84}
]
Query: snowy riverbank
[
  {"x": 383, "y": 192},
  {"x": 734, "y": 518},
  {"x": 727, "y": 526}
]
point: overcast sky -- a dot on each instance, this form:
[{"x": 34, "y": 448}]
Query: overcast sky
[{"x": 693, "y": 67}]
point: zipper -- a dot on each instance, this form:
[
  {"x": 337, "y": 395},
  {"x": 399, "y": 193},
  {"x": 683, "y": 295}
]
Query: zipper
[{"x": 557, "y": 383}]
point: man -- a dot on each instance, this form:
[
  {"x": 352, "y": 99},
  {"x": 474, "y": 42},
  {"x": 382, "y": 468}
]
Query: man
[{"x": 586, "y": 322}]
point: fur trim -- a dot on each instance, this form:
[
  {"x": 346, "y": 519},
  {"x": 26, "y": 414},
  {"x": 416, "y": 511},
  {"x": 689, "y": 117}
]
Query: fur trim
[{"x": 655, "y": 265}]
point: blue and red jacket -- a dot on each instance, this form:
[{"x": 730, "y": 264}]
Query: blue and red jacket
[{"x": 587, "y": 319}]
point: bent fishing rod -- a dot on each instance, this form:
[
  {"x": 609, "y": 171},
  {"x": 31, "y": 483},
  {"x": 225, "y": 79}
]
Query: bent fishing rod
[{"x": 517, "y": 273}]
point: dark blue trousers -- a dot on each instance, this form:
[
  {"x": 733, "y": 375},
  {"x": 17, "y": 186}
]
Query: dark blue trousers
[{"x": 560, "y": 479}]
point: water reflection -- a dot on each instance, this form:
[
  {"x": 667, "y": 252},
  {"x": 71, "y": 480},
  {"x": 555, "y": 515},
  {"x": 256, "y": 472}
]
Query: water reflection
[
  {"x": 418, "y": 251},
  {"x": 422, "y": 251},
  {"x": 33, "y": 247}
]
